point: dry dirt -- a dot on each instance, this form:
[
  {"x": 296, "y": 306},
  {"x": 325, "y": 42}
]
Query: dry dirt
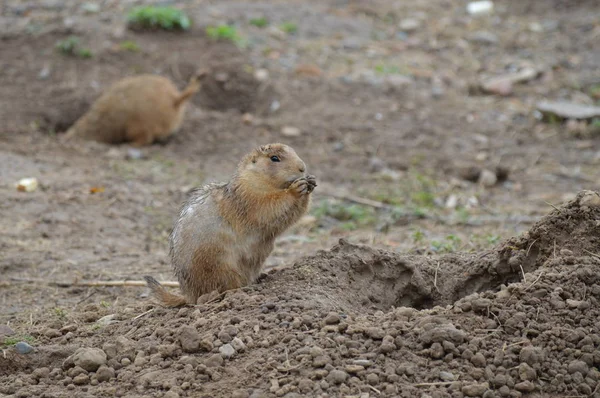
[{"x": 407, "y": 279}]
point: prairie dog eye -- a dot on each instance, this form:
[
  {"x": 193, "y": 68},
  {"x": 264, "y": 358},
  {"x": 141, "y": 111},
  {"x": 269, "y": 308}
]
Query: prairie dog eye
[{"x": 274, "y": 158}]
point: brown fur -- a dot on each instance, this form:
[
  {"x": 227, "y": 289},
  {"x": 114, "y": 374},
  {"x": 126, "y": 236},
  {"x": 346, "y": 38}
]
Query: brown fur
[
  {"x": 226, "y": 231},
  {"x": 139, "y": 109}
]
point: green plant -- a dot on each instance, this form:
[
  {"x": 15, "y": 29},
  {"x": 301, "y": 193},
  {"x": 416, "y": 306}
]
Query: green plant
[
  {"x": 151, "y": 17},
  {"x": 289, "y": 27},
  {"x": 223, "y": 32},
  {"x": 418, "y": 236},
  {"x": 129, "y": 45},
  {"x": 60, "y": 312},
  {"x": 85, "y": 53},
  {"x": 387, "y": 69},
  {"x": 450, "y": 244},
  {"x": 70, "y": 46},
  {"x": 12, "y": 340},
  {"x": 259, "y": 22},
  {"x": 351, "y": 216}
]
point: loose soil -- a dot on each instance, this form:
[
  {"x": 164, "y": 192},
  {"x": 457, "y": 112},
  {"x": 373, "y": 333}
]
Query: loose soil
[{"x": 441, "y": 287}]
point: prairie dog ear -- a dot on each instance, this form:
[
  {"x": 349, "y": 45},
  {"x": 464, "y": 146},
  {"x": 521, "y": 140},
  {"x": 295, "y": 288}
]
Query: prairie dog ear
[{"x": 264, "y": 149}]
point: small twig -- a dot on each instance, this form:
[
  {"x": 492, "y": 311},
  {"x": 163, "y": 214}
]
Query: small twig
[
  {"x": 374, "y": 389},
  {"x": 550, "y": 204},
  {"x": 435, "y": 277},
  {"x": 92, "y": 283},
  {"x": 439, "y": 383},
  {"x": 535, "y": 281},
  {"x": 523, "y": 273},
  {"x": 142, "y": 314},
  {"x": 358, "y": 199},
  {"x": 591, "y": 254},
  {"x": 85, "y": 298}
]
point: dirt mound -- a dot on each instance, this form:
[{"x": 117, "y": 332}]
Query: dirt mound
[
  {"x": 341, "y": 323},
  {"x": 231, "y": 86}
]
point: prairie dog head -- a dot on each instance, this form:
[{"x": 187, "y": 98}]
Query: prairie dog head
[{"x": 273, "y": 165}]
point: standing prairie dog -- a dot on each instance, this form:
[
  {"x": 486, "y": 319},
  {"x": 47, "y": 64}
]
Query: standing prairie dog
[
  {"x": 226, "y": 231},
  {"x": 139, "y": 109}
]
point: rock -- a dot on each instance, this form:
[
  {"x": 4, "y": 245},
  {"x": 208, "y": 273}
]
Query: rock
[
  {"x": 104, "y": 373},
  {"x": 503, "y": 85},
  {"x": 110, "y": 349},
  {"x": 568, "y": 110},
  {"x": 125, "y": 347},
  {"x": 481, "y": 304},
  {"x": 436, "y": 351},
  {"x": 446, "y": 376},
  {"x": 586, "y": 199},
  {"x": 171, "y": 394},
  {"x": 409, "y": 24},
  {"x": 441, "y": 333},
  {"x": 337, "y": 376},
  {"x": 44, "y": 73},
  {"x": 372, "y": 379},
  {"x": 227, "y": 351},
  {"x": 262, "y": 75},
  {"x": 475, "y": 390},
  {"x": 480, "y": 7},
  {"x": 531, "y": 355},
  {"x": 41, "y": 373},
  {"x": 23, "y": 348},
  {"x": 478, "y": 360},
  {"x": 206, "y": 345},
  {"x": 290, "y": 131},
  {"x": 376, "y": 164},
  {"x": 5, "y": 331},
  {"x": 238, "y": 344},
  {"x": 90, "y": 8},
  {"x": 224, "y": 337},
  {"x": 190, "y": 339},
  {"x": 375, "y": 333},
  {"x": 578, "y": 366},
  {"x": 81, "y": 380},
  {"x": 134, "y": 154},
  {"x": 305, "y": 385},
  {"x": 353, "y": 369},
  {"x": 526, "y": 372},
  {"x": 106, "y": 320},
  {"x": 89, "y": 359},
  {"x": 214, "y": 361},
  {"x": 487, "y": 178},
  {"x": 387, "y": 346},
  {"x": 362, "y": 362},
  {"x": 321, "y": 361},
  {"x": 27, "y": 184},
  {"x": 332, "y": 319},
  {"x": 483, "y": 37},
  {"x": 525, "y": 386}
]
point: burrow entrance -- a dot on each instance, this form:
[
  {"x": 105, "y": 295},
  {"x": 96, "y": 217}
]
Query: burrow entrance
[{"x": 360, "y": 275}]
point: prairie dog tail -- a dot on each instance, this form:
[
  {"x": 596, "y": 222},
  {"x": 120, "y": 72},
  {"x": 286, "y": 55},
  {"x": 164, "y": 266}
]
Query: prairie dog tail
[
  {"x": 192, "y": 88},
  {"x": 165, "y": 298}
]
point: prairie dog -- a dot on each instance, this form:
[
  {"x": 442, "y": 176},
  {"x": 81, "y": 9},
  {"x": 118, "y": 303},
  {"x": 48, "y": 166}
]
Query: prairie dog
[
  {"x": 139, "y": 109},
  {"x": 226, "y": 231}
]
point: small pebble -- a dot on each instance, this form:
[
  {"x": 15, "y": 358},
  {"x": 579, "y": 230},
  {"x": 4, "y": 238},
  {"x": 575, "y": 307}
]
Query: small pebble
[
  {"x": 227, "y": 350},
  {"x": 23, "y": 348}
]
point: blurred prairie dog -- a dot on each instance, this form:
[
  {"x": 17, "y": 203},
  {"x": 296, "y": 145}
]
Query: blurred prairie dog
[
  {"x": 226, "y": 231},
  {"x": 139, "y": 109}
]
